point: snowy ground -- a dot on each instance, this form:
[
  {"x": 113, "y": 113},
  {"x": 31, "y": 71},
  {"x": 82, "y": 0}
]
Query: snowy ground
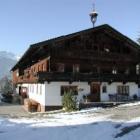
[
  {"x": 0, "y": 97},
  {"x": 82, "y": 125}
]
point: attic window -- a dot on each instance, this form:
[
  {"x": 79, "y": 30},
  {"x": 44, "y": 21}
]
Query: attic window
[
  {"x": 61, "y": 67},
  {"x": 138, "y": 69},
  {"x": 76, "y": 68}
]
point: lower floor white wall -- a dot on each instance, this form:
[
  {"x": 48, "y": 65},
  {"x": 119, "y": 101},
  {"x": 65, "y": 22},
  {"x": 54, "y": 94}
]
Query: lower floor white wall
[
  {"x": 53, "y": 92},
  {"x": 35, "y": 92},
  {"x": 49, "y": 94},
  {"x": 112, "y": 89}
]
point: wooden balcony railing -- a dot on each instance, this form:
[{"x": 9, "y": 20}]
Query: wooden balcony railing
[
  {"x": 57, "y": 76},
  {"x": 27, "y": 79}
]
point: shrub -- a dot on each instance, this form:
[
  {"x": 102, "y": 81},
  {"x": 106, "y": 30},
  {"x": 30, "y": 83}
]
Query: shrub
[
  {"x": 69, "y": 101},
  {"x": 135, "y": 97}
]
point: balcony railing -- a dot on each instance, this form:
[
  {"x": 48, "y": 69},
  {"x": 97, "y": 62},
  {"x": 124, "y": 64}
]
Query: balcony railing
[
  {"x": 26, "y": 79},
  {"x": 57, "y": 76}
]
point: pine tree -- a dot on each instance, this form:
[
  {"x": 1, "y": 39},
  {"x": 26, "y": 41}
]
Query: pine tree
[
  {"x": 69, "y": 101},
  {"x": 7, "y": 88}
]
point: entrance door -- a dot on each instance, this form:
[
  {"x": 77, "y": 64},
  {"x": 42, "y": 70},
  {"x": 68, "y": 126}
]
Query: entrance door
[
  {"x": 23, "y": 94},
  {"x": 95, "y": 92}
]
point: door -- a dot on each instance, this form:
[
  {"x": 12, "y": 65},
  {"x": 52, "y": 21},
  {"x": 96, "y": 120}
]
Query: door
[
  {"x": 23, "y": 94},
  {"x": 95, "y": 92}
]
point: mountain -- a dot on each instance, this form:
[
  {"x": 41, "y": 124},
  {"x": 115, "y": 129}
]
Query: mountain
[{"x": 7, "y": 61}]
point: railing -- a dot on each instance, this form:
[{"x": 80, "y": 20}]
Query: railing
[
  {"x": 57, "y": 76},
  {"x": 87, "y": 77},
  {"x": 119, "y": 97},
  {"x": 26, "y": 79}
]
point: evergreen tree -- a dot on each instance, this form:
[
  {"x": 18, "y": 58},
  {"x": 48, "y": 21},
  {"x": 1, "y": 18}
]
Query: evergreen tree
[
  {"x": 7, "y": 88},
  {"x": 69, "y": 101}
]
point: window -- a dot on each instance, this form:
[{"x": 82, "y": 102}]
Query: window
[
  {"x": 32, "y": 88},
  {"x": 68, "y": 68},
  {"x": 94, "y": 70},
  {"x": 76, "y": 68},
  {"x": 39, "y": 68},
  {"x": 43, "y": 67},
  {"x": 138, "y": 69},
  {"x": 127, "y": 71},
  {"x": 17, "y": 73},
  {"x": 124, "y": 90},
  {"x": 114, "y": 71},
  {"x": 104, "y": 89},
  {"x": 34, "y": 69},
  {"x": 37, "y": 88},
  {"x": 40, "y": 90},
  {"x": 61, "y": 67},
  {"x": 65, "y": 89}
]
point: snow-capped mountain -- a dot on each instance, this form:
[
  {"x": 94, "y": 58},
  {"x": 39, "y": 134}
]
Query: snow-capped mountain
[
  {"x": 9, "y": 55},
  {"x": 7, "y": 61}
]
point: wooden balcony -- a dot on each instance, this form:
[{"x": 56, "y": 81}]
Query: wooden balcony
[
  {"x": 26, "y": 79},
  {"x": 57, "y": 76}
]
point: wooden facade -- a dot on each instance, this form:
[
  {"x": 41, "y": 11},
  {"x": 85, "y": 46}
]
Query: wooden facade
[
  {"x": 29, "y": 74},
  {"x": 97, "y": 54}
]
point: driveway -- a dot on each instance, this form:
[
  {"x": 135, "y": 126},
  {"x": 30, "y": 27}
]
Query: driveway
[
  {"x": 122, "y": 112},
  {"x": 10, "y": 110}
]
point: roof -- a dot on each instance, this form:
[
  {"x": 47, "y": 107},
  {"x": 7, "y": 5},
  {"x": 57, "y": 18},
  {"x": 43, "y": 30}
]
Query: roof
[{"x": 34, "y": 48}]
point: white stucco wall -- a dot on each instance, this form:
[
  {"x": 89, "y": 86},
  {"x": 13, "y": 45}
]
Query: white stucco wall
[
  {"x": 33, "y": 93},
  {"x": 138, "y": 92},
  {"x": 37, "y": 95},
  {"x": 112, "y": 89},
  {"x": 50, "y": 94},
  {"x": 53, "y": 92}
]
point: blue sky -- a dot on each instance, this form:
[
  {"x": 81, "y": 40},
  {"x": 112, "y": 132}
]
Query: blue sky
[{"x": 23, "y": 22}]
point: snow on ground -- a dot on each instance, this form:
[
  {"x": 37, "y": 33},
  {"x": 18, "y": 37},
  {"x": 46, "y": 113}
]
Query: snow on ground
[
  {"x": 130, "y": 104},
  {"x": 0, "y": 97},
  {"x": 82, "y": 125}
]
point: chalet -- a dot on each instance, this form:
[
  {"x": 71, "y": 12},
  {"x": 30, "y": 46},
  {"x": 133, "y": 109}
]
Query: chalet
[{"x": 100, "y": 63}]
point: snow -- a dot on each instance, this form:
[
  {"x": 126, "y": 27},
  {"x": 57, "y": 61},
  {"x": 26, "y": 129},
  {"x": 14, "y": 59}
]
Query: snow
[
  {"x": 82, "y": 125},
  {"x": 0, "y": 97},
  {"x": 131, "y": 104}
]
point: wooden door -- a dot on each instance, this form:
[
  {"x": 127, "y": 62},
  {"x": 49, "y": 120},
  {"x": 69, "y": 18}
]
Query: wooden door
[{"x": 95, "y": 92}]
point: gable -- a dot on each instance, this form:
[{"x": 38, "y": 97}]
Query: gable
[
  {"x": 94, "y": 42},
  {"x": 89, "y": 41}
]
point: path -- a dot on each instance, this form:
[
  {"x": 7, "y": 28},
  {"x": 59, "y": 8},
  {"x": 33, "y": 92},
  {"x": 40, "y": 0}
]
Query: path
[
  {"x": 115, "y": 113},
  {"x": 9, "y": 110}
]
